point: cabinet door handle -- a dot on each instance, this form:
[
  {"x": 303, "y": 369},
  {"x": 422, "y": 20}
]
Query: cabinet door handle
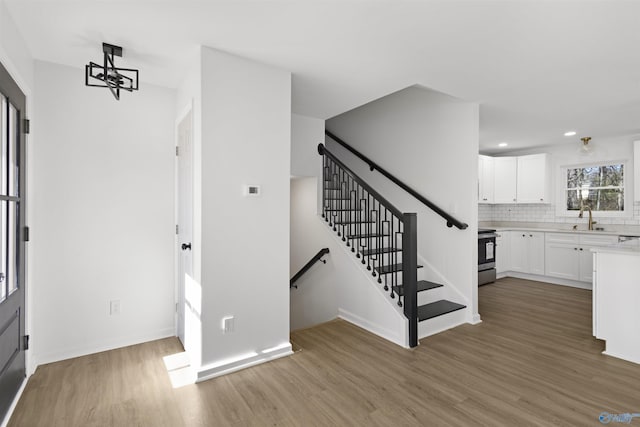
[
  {"x": 530, "y": 235},
  {"x": 575, "y": 249},
  {"x": 514, "y": 200},
  {"x": 542, "y": 200},
  {"x": 580, "y": 248},
  {"x": 524, "y": 235}
]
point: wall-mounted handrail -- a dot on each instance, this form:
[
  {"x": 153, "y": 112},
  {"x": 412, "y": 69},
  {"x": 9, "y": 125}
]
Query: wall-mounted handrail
[
  {"x": 317, "y": 257},
  {"x": 451, "y": 221}
]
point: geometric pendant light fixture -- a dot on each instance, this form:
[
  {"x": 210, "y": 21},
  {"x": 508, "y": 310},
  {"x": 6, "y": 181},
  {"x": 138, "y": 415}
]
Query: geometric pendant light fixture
[{"x": 108, "y": 75}]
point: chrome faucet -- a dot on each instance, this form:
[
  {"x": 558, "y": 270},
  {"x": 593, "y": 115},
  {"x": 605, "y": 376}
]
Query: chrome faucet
[{"x": 591, "y": 221}]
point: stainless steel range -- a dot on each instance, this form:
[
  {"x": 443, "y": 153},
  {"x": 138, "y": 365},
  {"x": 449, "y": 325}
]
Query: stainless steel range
[{"x": 486, "y": 256}]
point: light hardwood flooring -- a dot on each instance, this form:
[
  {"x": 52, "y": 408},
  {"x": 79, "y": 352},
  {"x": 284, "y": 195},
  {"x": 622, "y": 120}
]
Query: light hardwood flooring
[{"x": 532, "y": 361}]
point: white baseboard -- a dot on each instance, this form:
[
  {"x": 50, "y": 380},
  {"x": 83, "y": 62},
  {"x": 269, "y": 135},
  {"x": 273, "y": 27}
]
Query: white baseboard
[
  {"x": 622, "y": 356},
  {"x": 475, "y": 319},
  {"x": 546, "y": 279},
  {"x": 230, "y": 365},
  {"x": 397, "y": 338},
  {"x": 7, "y": 417},
  {"x": 98, "y": 347}
]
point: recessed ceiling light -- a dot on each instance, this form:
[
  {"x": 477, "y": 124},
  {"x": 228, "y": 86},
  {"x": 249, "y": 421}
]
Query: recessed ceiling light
[
  {"x": 502, "y": 144},
  {"x": 570, "y": 133}
]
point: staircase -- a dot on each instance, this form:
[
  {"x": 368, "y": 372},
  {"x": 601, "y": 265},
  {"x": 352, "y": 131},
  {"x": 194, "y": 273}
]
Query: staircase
[{"x": 383, "y": 238}]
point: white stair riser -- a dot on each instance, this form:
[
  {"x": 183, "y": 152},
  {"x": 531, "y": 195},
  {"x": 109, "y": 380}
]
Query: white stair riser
[
  {"x": 441, "y": 323},
  {"x": 432, "y": 295}
]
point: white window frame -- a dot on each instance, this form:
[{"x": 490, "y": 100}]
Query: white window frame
[{"x": 561, "y": 201}]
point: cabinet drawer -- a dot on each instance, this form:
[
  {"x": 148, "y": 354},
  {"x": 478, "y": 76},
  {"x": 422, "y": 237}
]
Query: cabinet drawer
[
  {"x": 592, "y": 240},
  {"x": 570, "y": 239}
]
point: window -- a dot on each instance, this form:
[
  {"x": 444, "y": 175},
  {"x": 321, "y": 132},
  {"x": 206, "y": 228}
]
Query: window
[{"x": 598, "y": 187}]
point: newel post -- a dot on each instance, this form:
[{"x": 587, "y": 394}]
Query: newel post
[{"x": 410, "y": 274}]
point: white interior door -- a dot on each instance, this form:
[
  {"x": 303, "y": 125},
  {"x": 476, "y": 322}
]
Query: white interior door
[{"x": 185, "y": 217}]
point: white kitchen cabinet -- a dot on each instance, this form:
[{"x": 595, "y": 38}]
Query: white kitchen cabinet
[
  {"x": 505, "y": 170},
  {"x": 568, "y": 256},
  {"x": 562, "y": 257},
  {"x": 527, "y": 252},
  {"x": 533, "y": 183},
  {"x": 503, "y": 251},
  {"x": 588, "y": 242},
  {"x": 615, "y": 301},
  {"x": 522, "y": 179},
  {"x": 485, "y": 179}
]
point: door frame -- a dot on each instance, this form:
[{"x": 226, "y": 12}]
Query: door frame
[{"x": 17, "y": 89}]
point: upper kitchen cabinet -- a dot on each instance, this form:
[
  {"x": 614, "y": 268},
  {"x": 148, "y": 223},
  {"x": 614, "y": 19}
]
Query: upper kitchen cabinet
[
  {"x": 485, "y": 179},
  {"x": 522, "y": 179},
  {"x": 533, "y": 179},
  {"x": 505, "y": 176}
]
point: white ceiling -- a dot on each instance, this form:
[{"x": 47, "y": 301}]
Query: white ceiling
[{"x": 538, "y": 68}]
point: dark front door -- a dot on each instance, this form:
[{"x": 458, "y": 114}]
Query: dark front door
[{"x": 12, "y": 248}]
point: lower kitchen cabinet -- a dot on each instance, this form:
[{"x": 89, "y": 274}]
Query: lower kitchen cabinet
[
  {"x": 562, "y": 258},
  {"x": 568, "y": 256},
  {"x": 503, "y": 251},
  {"x": 527, "y": 252}
]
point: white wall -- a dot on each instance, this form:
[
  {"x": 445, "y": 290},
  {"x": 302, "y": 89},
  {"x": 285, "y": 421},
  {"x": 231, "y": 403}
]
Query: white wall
[
  {"x": 306, "y": 134},
  {"x": 246, "y": 139},
  {"x": 429, "y": 141},
  {"x": 103, "y": 226},
  {"x": 14, "y": 53},
  {"x": 316, "y": 300}
]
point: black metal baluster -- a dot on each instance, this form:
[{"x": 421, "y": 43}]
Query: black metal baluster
[
  {"x": 392, "y": 276},
  {"x": 400, "y": 272},
  {"x": 325, "y": 176},
  {"x": 369, "y": 229},
  {"x": 357, "y": 244},
  {"x": 363, "y": 224},
  {"x": 356, "y": 197},
  {"x": 379, "y": 255},
  {"x": 382, "y": 236},
  {"x": 337, "y": 207}
]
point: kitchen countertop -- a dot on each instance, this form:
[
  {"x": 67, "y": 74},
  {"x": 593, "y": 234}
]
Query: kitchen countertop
[
  {"x": 609, "y": 230},
  {"x": 630, "y": 247}
]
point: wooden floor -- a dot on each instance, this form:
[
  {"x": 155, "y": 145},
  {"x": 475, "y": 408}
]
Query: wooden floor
[{"x": 532, "y": 361}]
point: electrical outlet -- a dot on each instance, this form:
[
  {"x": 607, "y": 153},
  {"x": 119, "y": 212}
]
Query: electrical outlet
[
  {"x": 114, "y": 307},
  {"x": 228, "y": 324}
]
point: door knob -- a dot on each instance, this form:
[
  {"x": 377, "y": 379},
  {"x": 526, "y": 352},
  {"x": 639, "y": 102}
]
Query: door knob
[{"x": 186, "y": 246}]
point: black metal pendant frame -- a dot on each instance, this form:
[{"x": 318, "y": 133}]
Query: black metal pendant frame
[{"x": 110, "y": 76}]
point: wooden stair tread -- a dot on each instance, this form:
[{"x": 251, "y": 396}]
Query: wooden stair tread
[
  {"x": 366, "y": 236},
  {"x": 423, "y": 285},
  {"x": 438, "y": 308},
  {"x": 392, "y": 268},
  {"x": 377, "y": 251},
  {"x": 353, "y": 222}
]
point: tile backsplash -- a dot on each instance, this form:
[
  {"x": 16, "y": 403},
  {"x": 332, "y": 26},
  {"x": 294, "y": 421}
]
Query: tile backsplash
[{"x": 544, "y": 213}]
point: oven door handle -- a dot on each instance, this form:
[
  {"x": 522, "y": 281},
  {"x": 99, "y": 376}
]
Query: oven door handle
[{"x": 487, "y": 235}]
